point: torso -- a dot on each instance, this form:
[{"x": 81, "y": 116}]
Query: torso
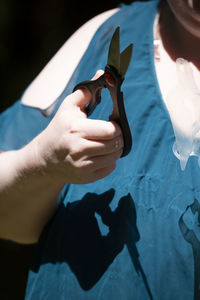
[
  {"x": 124, "y": 237},
  {"x": 50, "y": 83}
]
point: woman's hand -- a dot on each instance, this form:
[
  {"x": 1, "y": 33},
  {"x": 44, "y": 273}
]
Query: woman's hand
[
  {"x": 76, "y": 149},
  {"x": 72, "y": 149}
]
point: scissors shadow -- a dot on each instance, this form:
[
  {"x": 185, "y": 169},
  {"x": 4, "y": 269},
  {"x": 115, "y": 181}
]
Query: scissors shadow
[{"x": 82, "y": 245}]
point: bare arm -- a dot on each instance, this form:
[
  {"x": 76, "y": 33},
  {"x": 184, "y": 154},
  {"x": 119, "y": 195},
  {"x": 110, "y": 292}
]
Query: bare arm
[
  {"x": 27, "y": 195},
  {"x": 72, "y": 149}
]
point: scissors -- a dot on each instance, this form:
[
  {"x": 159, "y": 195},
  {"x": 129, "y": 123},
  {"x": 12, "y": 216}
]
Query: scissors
[{"x": 112, "y": 79}]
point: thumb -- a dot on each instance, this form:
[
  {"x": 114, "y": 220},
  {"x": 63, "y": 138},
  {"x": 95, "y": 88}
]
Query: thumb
[{"x": 82, "y": 96}]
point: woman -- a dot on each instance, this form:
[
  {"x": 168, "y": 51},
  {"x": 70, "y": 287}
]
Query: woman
[{"x": 113, "y": 232}]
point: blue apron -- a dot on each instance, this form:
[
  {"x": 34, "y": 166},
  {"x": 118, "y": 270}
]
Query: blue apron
[{"x": 135, "y": 234}]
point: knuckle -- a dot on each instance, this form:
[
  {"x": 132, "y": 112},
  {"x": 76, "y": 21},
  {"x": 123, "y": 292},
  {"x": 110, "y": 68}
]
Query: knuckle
[
  {"x": 114, "y": 130},
  {"x": 75, "y": 154},
  {"x": 83, "y": 167},
  {"x": 110, "y": 131},
  {"x": 74, "y": 144},
  {"x": 98, "y": 74},
  {"x": 74, "y": 126}
]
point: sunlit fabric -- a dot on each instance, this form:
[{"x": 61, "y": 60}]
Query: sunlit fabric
[{"x": 133, "y": 235}]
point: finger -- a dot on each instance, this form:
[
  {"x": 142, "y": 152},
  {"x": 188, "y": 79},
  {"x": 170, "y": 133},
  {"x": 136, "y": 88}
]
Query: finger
[
  {"x": 105, "y": 161},
  {"x": 92, "y": 148},
  {"x": 82, "y": 96},
  {"x": 97, "y": 129},
  {"x": 101, "y": 173},
  {"x": 94, "y": 164}
]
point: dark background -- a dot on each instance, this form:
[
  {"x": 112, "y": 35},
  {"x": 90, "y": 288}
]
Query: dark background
[{"x": 31, "y": 31}]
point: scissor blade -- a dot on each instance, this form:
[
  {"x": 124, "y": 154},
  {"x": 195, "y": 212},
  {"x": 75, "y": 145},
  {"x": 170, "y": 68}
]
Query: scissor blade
[
  {"x": 125, "y": 58},
  {"x": 114, "y": 50}
]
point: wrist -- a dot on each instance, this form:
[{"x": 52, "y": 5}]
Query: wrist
[
  {"x": 28, "y": 194},
  {"x": 35, "y": 162}
]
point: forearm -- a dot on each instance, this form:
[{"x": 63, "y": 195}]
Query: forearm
[
  {"x": 27, "y": 194},
  {"x": 72, "y": 149}
]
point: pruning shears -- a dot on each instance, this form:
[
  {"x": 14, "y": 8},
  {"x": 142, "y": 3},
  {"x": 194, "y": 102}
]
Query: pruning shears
[{"x": 112, "y": 79}]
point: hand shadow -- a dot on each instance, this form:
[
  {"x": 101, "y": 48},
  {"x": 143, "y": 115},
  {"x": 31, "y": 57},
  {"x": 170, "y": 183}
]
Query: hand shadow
[
  {"x": 88, "y": 252},
  {"x": 82, "y": 245}
]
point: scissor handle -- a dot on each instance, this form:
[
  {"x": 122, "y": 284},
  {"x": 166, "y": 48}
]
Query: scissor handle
[
  {"x": 118, "y": 113},
  {"x": 112, "y": 81},
  {"x": 95, "y": 87}
]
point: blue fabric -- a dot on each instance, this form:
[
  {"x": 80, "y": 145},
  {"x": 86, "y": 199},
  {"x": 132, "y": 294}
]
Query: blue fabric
[
  {"x": 19, "y": 125},
  {"x": 133, "y": 235}
]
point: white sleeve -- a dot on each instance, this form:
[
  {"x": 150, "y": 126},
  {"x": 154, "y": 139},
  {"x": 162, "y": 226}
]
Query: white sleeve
[{"x": 50, "y": 82}]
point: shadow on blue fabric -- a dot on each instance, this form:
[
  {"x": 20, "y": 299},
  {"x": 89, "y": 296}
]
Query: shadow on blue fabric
[
  {"x": 191, "y": 236},
  {"x": 85, "y": 245}
]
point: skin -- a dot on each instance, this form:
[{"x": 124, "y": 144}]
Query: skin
[
  {"x": 180, "y": 29},
  {"x": 72, "y": 149}
]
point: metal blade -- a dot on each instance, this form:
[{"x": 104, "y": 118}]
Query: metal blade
[
  {"x": 125, "y": 58},
  {"x": 114, "y": 50}
]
